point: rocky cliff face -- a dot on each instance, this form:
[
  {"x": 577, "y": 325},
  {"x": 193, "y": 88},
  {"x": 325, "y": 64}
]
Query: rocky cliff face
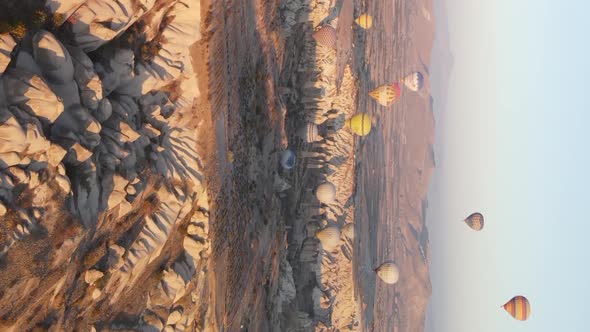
[{"x": 100, "y": 169}]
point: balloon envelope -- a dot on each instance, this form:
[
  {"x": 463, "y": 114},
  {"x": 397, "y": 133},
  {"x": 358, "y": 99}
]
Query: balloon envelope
[
  {"x": 365, "y": 21},
  {"x": 518, "y": 307},
  {"x": 386, "y": 94},
  {"x": 326, "y": 36},
  {"x": 348, "y": 231},
  {"x": 360, "y": 124},
  {"x": 388, "y": 272},
  {"x": 414, "y": 81},
  {"x": 475, "y": 221},
  {"x": 287, "y": 159},
  {"x": 309, "y": 133},
  {"x": 326, "y": 193},
  {"x": 329, "y": 237}
]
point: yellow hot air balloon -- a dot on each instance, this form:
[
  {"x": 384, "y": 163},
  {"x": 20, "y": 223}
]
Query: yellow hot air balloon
[
  {"x": 365, "y": 21},
  {"x": 386, "y": 94},
  {"x": 360, "y": 124},
  {"x": 518, "y": 307},
  {"x": 388, "y": 272},
  {"x": 475, "y": 221}
]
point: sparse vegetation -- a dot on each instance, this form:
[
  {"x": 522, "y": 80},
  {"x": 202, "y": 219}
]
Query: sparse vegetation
[
  {"x": 134, "y": 39},
  {"x": 18, "y": 30},
  {"x": 58, "y": 19},
  {"x": 17, "y": 17},
  {"x": 149, "y": 50},
  {"x": 93, "y": 255},
  {"x": 39, "y": 19}
]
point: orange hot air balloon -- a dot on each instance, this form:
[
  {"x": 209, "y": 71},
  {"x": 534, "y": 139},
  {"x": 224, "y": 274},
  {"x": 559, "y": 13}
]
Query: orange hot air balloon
[
  {"x": 518, "y": 307},
  {"x": 326, "y": 36},
  {"x": 386, "y": 94},
  {"x": 475, "y": 221}
]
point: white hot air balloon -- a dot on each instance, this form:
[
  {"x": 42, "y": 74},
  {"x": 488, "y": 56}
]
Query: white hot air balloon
[
  {"x": 329, "y": 237},
  {"x": 388, "y": 272},
  {"x": 414, "y": 81},
  {"x": 348, "y": 231},
  {"x": 326, "y": 193}
]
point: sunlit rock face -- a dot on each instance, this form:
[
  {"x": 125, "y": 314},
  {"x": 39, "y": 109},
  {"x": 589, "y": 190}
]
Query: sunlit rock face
[
  {"x": 53, "y": 59},
  {"x": 98, "y": 163},
  {"x": 96, "y": 22},
  {"x": 7, "y": 45}
]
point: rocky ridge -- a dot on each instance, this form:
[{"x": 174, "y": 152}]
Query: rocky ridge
[{"x": 97, "y": 154}]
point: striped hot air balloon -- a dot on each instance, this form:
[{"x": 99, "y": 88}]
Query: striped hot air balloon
[
  {"x": 518, "y": 307},
  {"x": 475, "y": 221},
  {"x": 365, "y": 21},
  {"x": 386, "y": 94},
  {"x": 388, "y": 272},
  {"x": 414, "y": 81},
  {"x": 360, "y": 124},
  {"x": 326, "y": 36},
  {"x": 309, "y": 133},
  {"x": 348, "y": 231}
]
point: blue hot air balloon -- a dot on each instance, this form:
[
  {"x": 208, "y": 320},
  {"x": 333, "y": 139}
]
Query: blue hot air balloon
[{"x": 288, "y": 159}]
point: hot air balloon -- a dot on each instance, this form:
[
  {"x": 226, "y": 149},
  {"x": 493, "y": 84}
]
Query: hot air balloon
[
  {"x": 326, "y": 193},
  {"x": 360, "y": 124},
  {"x": 287, "y": 159},
  {"x": 329, "y": 237},
  {"x": 326, "y": 36},
  {"x": 365, "y": 21},
  {"x": 348, "y": 231},
  {"x": 388, "y": 272},
  {"x": 475, "y": 221},
  {"x": 518, "y": 307},
  {"x": 386, "y": 94},
  {"x": 414, "y": 81},
  {"x": 309, "y": 133}
]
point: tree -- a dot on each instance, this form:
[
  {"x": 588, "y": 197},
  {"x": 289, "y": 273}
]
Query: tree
[
  {"x": 149, "y": 50},
  {"x": 18, "y": 30},
  {"x": 39, "y": 19}
]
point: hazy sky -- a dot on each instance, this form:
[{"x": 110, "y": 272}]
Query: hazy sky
[{"x": 513, "y": 142}]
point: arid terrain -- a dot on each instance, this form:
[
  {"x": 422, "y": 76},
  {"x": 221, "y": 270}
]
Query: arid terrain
[{"x": 143, "y": 181}]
